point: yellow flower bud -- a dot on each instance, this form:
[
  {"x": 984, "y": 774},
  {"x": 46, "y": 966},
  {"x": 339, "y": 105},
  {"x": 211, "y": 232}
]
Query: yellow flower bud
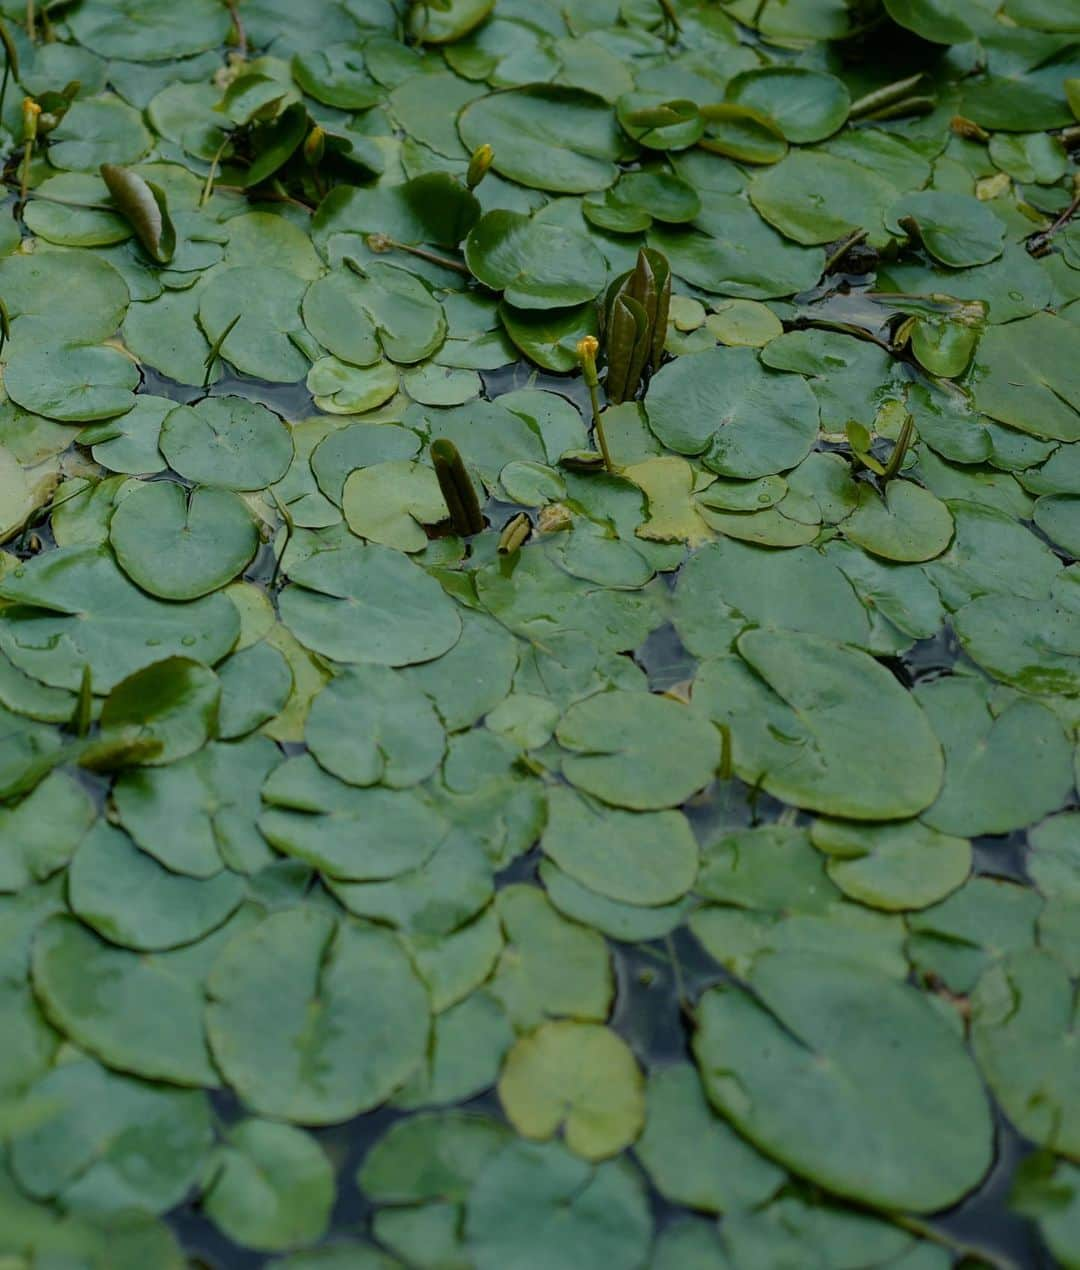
[
  {"x": 30, "y": 112},
  {"x": 481, "y": 160}
]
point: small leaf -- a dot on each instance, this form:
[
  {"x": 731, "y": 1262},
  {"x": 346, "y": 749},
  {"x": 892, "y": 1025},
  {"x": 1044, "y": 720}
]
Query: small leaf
[{"x": 144, "y": 206}]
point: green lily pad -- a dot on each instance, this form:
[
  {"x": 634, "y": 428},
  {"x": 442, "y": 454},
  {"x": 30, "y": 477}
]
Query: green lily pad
[
  {"x": 259, "y": 308},
  {"x": 199, "y": 814},
  {"x": 150, "y": 32},
  {"x": 642, "y": 752},
  {"x": 535, "y": 1196},
  {"x": 73, "y": 607},
  {"x": 98, "y": 130},
  {"x": 113, "y": 1143},
  {"x": 172, "y": 703},
  {"x": 536, "y": 264},
  {"x": 272, "y": 1187},
  {"x": 729, "y": 586},
  {"x": 1032, "y": 645},
  {"x": 369, "y": 604},
  {"x": 714, "y": 404},
  {"x": 391, "y": 502},
  {"x": 146, "y": 1014},
  {"x": 908, "y": 525},
  {"x": 955, "y": 229},
  {"x": 549, "y": 967},
  {"x": 263, "y": 990},
  {"x": 550, "y": 138},
  {"x": 1025, "y": 376},
  {"x": 639, "y": 858},
  {"x": 1023, "y": 1029},
  {"x": 71, "y": 382},
  {"x": 383, "y": 310},
  {"x": 369, "y": 726},
  {"x": 227, "y": 442},
  {"x": 132, "y": 901},
  {"x": 892, "y": 866},
  {"x": 819, "y": 197},
  {"x": 1058, "y": 516},
  {"x": 806, "y": 105},
  {"x": 774, "y": 1049},
  {"x": 1007, "y": 762},
  {"x": 955, "y": 941},
  {"x": 352, "y": 833},
  {"x": 805, "y": 755},
  {"x": 580, "y": 1077},
  {"x": 179, "y": 544},
  {"x": 723, "y": 1172}
]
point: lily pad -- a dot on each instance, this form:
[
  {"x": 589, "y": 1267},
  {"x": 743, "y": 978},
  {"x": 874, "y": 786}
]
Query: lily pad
[
  {"x": 272, "y": 1188},
  {"x": 73, "y": 607},
  {"x": 714, "y": 404},
  {"x": 536, "y": 264},
  {"x": 369, "y": 726},
  {"x": 782, "y": 738},
  {"x": 228, "y": 442},
  {"x": 369, "y": 604},
  {"x": 262, "y": 992},
  {"x": 580, "y": 1077},
  {"x": 550, "y": 138},
  {"x": 179, "y": 545},
  {"x": 773, "y": 1049},
  {"x": 642, "y": 752}
]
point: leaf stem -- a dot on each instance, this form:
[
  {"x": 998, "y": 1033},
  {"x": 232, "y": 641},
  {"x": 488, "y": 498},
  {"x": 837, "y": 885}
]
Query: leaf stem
[
  {"x": 380, "y": 243},
  {"x": 238, "y": 27},
  {"x": 852, "y": 240},
  {"x": 1039, "y": 244},
  {"x": 208, "y": 187}
]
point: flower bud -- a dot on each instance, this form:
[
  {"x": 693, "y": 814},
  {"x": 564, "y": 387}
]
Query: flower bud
[
  {"x": 314, "y": 147},
  {"x": 481, "y": 160},
  {"x": 587, "y": 348},
  {"x": 30, "y": 113}
]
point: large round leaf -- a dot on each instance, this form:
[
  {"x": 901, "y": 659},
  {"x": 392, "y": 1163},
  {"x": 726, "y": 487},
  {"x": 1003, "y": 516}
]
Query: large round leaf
[
  {"x": 744, "y": 420},
  {"x": 536, "y": 264},
  {"x": 806, "y": 105},
  {"x": 72, "y": 608},
  {"x": 353, "y": 834},
  {"x": 75, "y": 383},
  {"x": 558, "y": 139},
  {"x": 805, "y": 713},
  {"x": 848, "y": 1078},
  {"x": 637, "y": 750},
  {"x": 639, "y": 858},
  {"x": 112, "y": 1143},
  {"x": 580, "y": 1077},
  {"x": 137, "y": 1013},
  {"x": 535, "y": 1204},
  {"x": 371, "y": 726},
  {"x": 227, "y": 441},
  {"x": 180, "y": 544},
  {"x": 149, "y": 30},
  {"x": 1024, "y": 1027},
  {"x": 131, "y": 900},
  {"x": 294, "y": 1007},
  {"x": 369, "y": 604},
  {"x": 273, "y": 1186}
]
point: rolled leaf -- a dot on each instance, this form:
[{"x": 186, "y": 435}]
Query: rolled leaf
[
  {"x": 457, "y": 488},
  {"x": 627, "y": 348},
  {"x": 144, "y": 206}
]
